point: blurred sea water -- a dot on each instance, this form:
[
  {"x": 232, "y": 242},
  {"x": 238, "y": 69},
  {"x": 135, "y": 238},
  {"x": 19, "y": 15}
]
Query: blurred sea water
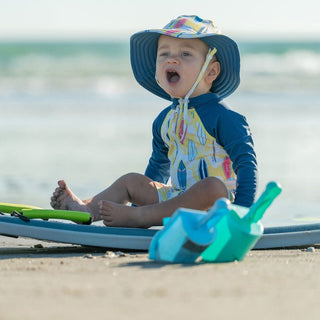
[{"x": 73, "y": 110}]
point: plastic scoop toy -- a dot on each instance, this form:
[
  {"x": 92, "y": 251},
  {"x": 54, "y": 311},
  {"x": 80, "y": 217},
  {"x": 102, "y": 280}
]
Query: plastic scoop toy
[
  {"x": 187, "y": 234},
  {"x": 240, "y": 229},
  {"x": 226, "y": 233}
]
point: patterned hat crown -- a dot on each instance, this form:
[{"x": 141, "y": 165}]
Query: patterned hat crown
[{"x": 186, "y": 27}]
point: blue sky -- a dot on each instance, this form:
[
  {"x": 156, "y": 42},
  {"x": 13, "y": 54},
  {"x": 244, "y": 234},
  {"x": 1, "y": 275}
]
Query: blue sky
[{"x": 81, "y": 19}]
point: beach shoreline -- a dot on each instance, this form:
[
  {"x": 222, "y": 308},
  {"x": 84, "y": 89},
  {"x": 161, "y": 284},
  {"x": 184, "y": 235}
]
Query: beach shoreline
[{"x": 42, "y": 280}]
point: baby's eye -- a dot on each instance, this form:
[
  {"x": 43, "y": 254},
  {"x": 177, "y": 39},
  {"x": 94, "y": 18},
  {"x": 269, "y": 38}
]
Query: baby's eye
[
  {"x": 163, "y": 54},
  {"x": 186, "y": 54}
]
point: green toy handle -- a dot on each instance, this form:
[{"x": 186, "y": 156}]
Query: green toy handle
[
  {"x": 33, "y": 212},
  {"x": 257, "y": 210},
  {"x": 76, "y": 216},
  {"x": 215, "y": 213}
]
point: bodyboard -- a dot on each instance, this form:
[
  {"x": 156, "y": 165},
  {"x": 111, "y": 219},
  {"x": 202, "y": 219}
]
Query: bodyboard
[
  {"x": 32, "y": 212},
  {"x": 139, "y": 239}
]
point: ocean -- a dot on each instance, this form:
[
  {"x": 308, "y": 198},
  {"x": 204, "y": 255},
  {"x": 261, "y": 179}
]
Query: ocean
[{"x": 73, "y": 110}]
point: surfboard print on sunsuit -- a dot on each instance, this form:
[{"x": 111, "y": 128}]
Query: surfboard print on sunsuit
[
  {"x": 214, "y": 152},
  {"x": 227, "y": 167},
  {"x": 202, "y": 137},
  {"x": 182, "y": 175},
  {"x": 203, "y": 169},
  {"x": 182, "y": 132},
  {"x": 192, "y": 150}
]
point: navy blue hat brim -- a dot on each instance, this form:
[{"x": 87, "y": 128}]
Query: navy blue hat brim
[{"x": 143, "y": 54}]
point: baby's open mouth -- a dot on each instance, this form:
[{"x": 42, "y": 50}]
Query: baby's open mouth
[{"x": 173, "y": 76}]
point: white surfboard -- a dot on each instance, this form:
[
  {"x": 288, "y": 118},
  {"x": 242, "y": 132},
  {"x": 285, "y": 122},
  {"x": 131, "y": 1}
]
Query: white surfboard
[{"x": 139, "y": 239}]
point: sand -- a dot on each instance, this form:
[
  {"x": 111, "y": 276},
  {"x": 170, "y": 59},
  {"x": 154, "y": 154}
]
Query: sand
[{"x": 41, "y": 280}]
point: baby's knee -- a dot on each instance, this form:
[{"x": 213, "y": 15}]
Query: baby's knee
[
  {"x": 215, "y": 187},
  {"x": 130, "y": 178},
  {"x": 131, "y": 175},
  {"x": 133, "y": 182}
]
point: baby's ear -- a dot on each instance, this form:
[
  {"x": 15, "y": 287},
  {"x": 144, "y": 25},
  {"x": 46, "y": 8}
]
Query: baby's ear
[{"x": 214, "y": 70}]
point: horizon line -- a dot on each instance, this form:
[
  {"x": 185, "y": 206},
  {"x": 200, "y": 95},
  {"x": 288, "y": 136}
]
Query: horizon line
[{"x": 80, "y": 39}]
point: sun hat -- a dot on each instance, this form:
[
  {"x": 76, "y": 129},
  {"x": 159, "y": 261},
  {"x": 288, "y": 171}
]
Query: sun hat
[{"x": 144, "y": 45}]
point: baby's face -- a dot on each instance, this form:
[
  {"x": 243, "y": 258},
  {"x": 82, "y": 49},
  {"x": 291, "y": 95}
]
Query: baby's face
[{"x": 178, "y": 65}]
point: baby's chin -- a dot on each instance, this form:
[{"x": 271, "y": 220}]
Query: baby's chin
[
  {"x": 177, "y": 95},
  {"x": 174, "y": 91}
]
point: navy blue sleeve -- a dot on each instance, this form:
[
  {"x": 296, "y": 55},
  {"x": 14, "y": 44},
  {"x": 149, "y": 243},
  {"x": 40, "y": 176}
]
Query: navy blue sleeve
[
  {"x": 158, "y": 168},
  {"x": 235, "y": 136},
  {"x": 232, "y": 132}
]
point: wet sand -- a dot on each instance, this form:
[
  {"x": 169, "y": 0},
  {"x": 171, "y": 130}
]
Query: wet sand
[{"x": 41, "y": 280}]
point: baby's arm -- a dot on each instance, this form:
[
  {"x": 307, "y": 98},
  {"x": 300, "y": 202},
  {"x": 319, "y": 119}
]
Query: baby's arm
[
  {"x": 244, "y": 162},
  {"x": 236, "y": 138}
]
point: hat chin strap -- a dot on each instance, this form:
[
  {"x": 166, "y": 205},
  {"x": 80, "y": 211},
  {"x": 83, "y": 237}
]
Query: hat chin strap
[{"x": 184, "y": 102}]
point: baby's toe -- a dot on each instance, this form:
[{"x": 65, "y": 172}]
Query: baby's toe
[{"x": 53, "y": 204}]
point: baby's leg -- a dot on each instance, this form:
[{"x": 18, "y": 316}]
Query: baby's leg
[
  {"x": 132, "y": 187},
  {"x": 118, "y": 215},
  {"x": 63, "y": 198},
  {"x": 200, "y": 196}
]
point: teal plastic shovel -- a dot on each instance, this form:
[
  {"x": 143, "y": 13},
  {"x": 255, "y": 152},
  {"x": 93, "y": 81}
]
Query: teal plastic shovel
[
  {"x": 187, "y": 234},
  {"x": 225, "y": 233},
  {"x": 240, "y": 229}
]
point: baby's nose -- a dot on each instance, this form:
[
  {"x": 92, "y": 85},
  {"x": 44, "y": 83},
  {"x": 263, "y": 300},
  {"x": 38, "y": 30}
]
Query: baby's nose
[{"x": 173, "y": 58}]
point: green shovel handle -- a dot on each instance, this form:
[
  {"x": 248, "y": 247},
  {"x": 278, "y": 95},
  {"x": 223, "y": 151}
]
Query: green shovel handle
[
  {"x": 45, "y": 214},
  {"x": 257, "y": 210}
]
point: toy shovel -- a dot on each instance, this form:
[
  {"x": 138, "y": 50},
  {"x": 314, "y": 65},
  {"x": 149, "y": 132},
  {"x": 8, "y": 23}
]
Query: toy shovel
[
  {"x": 187, "y": 234},
  {"x": 239, "y": 230}
]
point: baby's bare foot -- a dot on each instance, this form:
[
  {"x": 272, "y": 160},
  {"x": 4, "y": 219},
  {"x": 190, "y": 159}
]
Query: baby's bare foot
[
  {"x": 64, "y": 199},
  {"x": 118, "y": 215}
]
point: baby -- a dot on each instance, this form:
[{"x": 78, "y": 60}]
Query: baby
[{"x": 204, "y": 147}]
